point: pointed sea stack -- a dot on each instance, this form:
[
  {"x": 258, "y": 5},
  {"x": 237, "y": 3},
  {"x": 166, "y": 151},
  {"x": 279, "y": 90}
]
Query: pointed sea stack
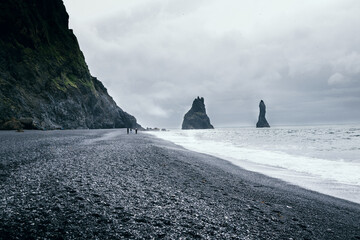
[
  {"x": 262, "y": 120},
  {"x": 196, "y": 117}
]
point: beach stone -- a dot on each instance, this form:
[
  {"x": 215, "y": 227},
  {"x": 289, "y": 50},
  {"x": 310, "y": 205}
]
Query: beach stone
[{"x": 41, "y": 197}]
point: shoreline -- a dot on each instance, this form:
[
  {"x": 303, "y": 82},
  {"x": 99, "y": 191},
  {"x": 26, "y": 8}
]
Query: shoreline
[
  {"x": 110, "y": 185},
  {"x": 333, "y": 178}
]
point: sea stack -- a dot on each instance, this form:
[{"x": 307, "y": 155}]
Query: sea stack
[
  {"x": 196, "y": 117},
  {"x": 45, "y": 82},
  {"x": 262, "y": 120}
]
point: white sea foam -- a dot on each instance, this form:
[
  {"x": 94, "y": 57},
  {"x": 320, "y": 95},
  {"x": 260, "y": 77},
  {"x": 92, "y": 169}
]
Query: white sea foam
[{"x": 323, "y": 159}]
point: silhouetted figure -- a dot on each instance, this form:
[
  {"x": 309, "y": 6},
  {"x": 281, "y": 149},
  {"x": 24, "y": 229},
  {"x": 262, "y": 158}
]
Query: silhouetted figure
[
  {"x": 127, "y": 130},
  {"x": 135, "y": 130}
]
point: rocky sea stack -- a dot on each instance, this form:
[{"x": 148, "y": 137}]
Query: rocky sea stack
[
  {"x": 44, "y": 80},
  {"x": 196, "y": 117},
  {"x": 262, "y": 120}
]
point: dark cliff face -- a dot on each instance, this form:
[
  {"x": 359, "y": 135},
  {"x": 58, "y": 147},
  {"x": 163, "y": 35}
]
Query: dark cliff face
[
  {"x": 196, "y": 117},
  {"x": 44, "y": 80},
  {"x": 262, "y": 122}
]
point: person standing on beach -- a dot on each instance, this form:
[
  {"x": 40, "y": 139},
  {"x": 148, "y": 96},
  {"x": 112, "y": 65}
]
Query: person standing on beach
[
  {"x": 127, "y": 130},
  {"x": 135, "y": 130}
]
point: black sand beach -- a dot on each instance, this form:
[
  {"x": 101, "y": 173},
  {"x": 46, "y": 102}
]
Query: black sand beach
[{"x": 105, "y": 184}]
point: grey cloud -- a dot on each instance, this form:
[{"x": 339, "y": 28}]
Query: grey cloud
[{"x": 155, "y": 61}]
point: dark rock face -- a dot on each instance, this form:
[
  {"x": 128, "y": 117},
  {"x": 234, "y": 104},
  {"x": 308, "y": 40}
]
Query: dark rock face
[
  {"x": 196, "y": 117},
  {"x": 262, "y": 120},
  {"x": 44, "y": 80}
]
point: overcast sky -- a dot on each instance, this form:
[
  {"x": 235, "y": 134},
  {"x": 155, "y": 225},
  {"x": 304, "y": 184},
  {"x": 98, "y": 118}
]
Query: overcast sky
[{"x": 154, "y": 57}]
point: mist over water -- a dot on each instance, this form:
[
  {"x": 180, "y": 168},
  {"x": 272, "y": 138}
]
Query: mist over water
[{"x": 320, "y": 158}]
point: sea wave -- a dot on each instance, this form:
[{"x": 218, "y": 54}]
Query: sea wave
[{"x": 336, "y": 177}]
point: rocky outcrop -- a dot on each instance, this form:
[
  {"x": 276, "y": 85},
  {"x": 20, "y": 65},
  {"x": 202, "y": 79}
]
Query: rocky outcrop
[
  {"x": 262, "y": 120},
  {"x": 44, "y": 80},
  {"x": 196, "y": 117}
]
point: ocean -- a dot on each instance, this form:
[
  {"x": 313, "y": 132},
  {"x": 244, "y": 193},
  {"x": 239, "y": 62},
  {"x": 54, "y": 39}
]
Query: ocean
[{"x": 325, "y": 159}]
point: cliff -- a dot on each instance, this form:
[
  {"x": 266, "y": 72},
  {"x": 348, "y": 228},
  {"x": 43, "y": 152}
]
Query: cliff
[
  {"x": 262, "y": 122},
  {"x": 44, "y": 80},
  {"x": 196, "y": 117}
]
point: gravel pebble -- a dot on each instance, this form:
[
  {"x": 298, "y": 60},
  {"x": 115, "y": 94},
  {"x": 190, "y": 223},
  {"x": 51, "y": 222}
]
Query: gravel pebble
[{"x": 105, "y": 184}]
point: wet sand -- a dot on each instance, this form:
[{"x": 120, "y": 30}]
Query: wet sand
[{"x": 105, "y": 184}]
